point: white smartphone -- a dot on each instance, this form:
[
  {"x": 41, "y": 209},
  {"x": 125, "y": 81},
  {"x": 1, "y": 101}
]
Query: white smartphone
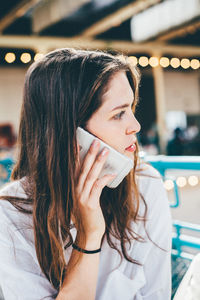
[{"x": 116, "y": 162}]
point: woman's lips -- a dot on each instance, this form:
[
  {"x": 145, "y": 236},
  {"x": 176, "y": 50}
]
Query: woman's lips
[{"x": 131, "y": 148}]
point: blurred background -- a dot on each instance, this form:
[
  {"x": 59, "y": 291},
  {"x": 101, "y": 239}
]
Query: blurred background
[{"x": 161, "y": 37}]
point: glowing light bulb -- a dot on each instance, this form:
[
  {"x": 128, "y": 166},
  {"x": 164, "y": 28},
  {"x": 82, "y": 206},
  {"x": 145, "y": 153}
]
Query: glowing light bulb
[
  {"x": 193, "y": 180},
  {"x": 143, "y": 61},
  {"x": 153, "y": 61},
  {"x": 195, "y": 64},
  {"x": 38, "y": 56},
  {"x": 25, "y": 58},
  {"x": 181, "y": 181},
  {"x": 168, "y": 184},
  {"x": 175, "y": 62},
  {"x": 10, "y": 57},
  {"x": 133, "y": 60},
  {"x": 185, "y": 63},
  {"x": 164, "y": 62}
]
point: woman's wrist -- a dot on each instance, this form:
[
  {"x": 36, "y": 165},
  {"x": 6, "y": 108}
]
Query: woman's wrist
[
  {"x": 86, "y": 251},
  {"x": 91, "y": 243}
]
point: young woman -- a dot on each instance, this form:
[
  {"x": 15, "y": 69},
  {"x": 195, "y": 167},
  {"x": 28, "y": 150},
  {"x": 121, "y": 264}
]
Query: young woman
[{"x": 63, "y": 233}]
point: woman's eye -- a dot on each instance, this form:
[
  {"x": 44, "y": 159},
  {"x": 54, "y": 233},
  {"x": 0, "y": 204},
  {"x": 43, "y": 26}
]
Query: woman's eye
[{"x": 119, "y": 116}]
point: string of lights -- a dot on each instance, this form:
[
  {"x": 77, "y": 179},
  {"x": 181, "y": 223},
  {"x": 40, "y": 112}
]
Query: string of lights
[
  {"x": 143, "y": 61},
  {"x": 25, "y": 57},
  {"x": 181, "y": 182},
  {"x": 165, "y": 62}
]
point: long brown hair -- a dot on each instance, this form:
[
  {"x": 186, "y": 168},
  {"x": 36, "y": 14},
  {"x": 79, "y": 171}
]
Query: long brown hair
[{"x": 61, "y": 92}]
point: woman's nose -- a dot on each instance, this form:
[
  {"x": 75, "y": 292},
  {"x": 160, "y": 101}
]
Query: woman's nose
[{"x": 134, "y": 126}]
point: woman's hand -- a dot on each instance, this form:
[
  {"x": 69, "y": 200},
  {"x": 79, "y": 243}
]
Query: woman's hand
[{"x": 88, "y": 191}]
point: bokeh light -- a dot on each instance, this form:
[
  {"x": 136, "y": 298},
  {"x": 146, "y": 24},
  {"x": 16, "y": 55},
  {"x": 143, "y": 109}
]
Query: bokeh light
[
  {"x": 195, "y": 64},
  {"x": 175, "y": 62},
  {"x": 10, "y": 57},
  {"x": 181, "y": 181},
  {"x": 193, "y": 180},
  {"x": 143, "y": 61},
  {"x": 164, "y": 62},
  {"x": 25, "y": 58},
  {"x": 185, "y": 63},
  {"x": 38, "y": 56},
  {"x": 153, "y": 61},
  {"x": 168, "y": 184}
]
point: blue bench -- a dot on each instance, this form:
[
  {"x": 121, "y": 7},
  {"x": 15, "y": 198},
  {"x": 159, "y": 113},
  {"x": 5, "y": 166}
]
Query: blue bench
[
  {"x": 180, "y": 258},
  {"x": 6, "y": 166}
]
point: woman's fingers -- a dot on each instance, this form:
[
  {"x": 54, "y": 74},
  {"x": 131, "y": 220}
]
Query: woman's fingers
[
  {"x": 94, "y": 172},
  {"x": 87, "y": 164},
  {"x": 99, "y": 185},
  {"x": 89, "y": 188}
]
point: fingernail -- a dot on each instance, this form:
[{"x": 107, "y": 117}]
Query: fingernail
[
  {"x": 104, "y": 152},
  {"x": 95, "y": 144}
]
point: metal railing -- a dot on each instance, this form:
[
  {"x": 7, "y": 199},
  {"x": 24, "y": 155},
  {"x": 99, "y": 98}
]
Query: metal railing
[
  {"x": 6, "y": 166},
  {"x": 179, "y": 240}
]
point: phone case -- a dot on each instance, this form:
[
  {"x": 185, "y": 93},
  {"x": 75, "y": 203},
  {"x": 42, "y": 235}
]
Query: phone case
[{"x": 116, "y": 162}]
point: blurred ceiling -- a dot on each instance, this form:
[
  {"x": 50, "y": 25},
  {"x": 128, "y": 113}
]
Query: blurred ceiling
[{"x": 100, "y": 20}]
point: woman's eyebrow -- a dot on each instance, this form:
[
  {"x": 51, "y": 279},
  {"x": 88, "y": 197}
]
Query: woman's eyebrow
[{"x": 122, "y": 106}]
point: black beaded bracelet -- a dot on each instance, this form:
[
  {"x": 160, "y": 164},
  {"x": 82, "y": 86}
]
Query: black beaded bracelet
[{"x": 85, "y": 251}]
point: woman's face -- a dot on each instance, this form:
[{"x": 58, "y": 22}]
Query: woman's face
[{"x": 114, "y": 122}]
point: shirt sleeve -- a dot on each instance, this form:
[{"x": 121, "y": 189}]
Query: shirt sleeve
[
  {"x": 157, "y": 261},
  {"x": 21, "y": 277}
]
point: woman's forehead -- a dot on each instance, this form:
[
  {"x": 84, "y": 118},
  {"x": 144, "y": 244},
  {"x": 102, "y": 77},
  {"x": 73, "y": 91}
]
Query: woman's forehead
[{"x": 118, "y": 91}]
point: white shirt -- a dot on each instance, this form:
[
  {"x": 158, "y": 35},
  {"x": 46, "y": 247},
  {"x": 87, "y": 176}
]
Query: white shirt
[{"x": 21, "y": 277}]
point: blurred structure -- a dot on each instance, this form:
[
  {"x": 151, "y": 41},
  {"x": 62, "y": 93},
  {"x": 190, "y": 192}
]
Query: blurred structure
[
  {"x": 7, "y": 140},
  {"x": 161, "y": 36},
  {"x": 176, "y": 145},
  {"x": 186, "y": 228},
  {"x": 7, "y": 151}
]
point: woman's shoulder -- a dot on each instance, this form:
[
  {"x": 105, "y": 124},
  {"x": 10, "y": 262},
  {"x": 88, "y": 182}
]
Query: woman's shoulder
[
  {"x": 10, "y": 189},
  {"x": 13, "y": 188},
  {"x": 155, "y": 203},
  {"x": 147, "y": 176},
  {"x": 151, "y": 186},
  {"x": 145, "y": 169},
  {"x": 13, "y": 223}
]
